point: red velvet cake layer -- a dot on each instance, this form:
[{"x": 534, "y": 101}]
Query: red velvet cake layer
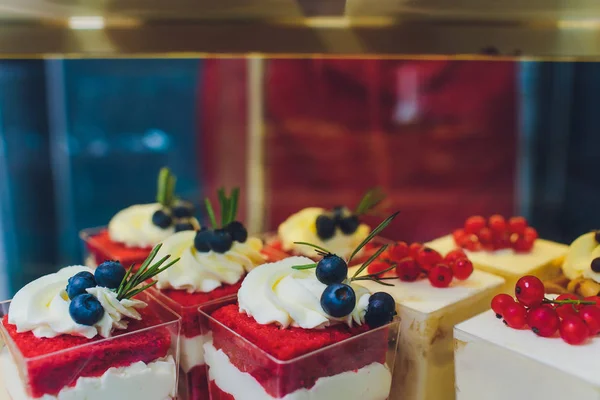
[
  {"x": 104, "y": 249},
  {"x": 279, "y": 379},
  {"x": 48, "y": 375}
]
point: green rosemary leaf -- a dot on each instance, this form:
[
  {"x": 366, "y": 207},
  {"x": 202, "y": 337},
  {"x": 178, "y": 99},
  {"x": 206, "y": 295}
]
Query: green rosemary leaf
[
  {"x": 170, "y": 195},
  {"x": 374, "y": 233},
  {"x": 305, "y": 266},
  {"x": 161, "y": 191},
  {"x": 369, "y": 201},
  {"x": 223, "y": 203},
  {"x": 314, "y": 246},
  {"x": 382, "y": 283},
  {"x": 370, "y": 260},
  {"x": 127, "y": 274},
  {"x": 134, "y": 292},
  {"x": 211, "y": 213},
  {"x": 369, "y": 276},
  {"x": 234, "y": 204}
]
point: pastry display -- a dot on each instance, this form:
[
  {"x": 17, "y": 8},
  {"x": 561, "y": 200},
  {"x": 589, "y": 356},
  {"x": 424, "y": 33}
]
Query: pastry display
[
  {"x": 433, "y": 292},
  {"x": 300, "y": 329},
  {"x": 134, "y": 231},
  {"x": 85, "y": 334},
  {"x": 214, "y": 262},
  {"x": 506, "y": 247}
]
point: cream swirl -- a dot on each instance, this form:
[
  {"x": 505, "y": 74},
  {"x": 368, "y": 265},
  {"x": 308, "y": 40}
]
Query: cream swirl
[
  {"x": 301, "y": 227},
  {"x": 133, "y": 226},
  {"x": 275, "y": 293},
  {"x": 204, "y": 272},
  {"x": 42, "y": 307}
]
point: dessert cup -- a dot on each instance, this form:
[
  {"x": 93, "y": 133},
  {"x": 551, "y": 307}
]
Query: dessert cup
[
  {"x": 424, "y": 367},
  {"x": 494, "y": 362},
  {"x": 98, "y": 247},
  {"x": 266, "y": 362},
  {"x": 139, "y": 362}
]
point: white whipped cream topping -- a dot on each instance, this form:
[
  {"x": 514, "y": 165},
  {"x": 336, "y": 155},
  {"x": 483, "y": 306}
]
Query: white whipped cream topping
[
  {"x": 152, "y": 381},
  {"x": 191, "y": 351},
  {"x": 42, "y": 307},
  {"x": 371, "y": 382},
  {"x": 133, "y": 226},
  {"x": 277, "y": 293},
  {"x": 578, "y": 260},
  {"x": 204, "y": 272},
  {"x": 301, "y": 227}
]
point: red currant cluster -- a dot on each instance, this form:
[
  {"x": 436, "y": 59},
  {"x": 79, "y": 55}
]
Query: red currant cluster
[
  {"x": 417, "y": 261},
  {"x": 496, "y": 233},
  {"x": 575, "y": 319}
]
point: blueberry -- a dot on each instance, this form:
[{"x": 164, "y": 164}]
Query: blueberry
[
  {"x": 331, "y": 269},
  {"x": 79, "y": 282},
  {"x": 338, "y": 300},
  {"x": 381, "y": 309},
  {"x": 202, "y": 240},
  {"x": 184, "y": 226},
  {"x": 85, "y": 309},
  {"x": 349, "y": 225},
  {"x": 161, "y": 219},
  {"x": 238, "y": 231},
  {"x": 183, "y": 209},
  {"x": 596, "y": 264},
  {"x": 597, "y": 236},
  {"x": 220, "y": 241},
  {"x": 109, "y": 274},
  {"x": 325, "y": 227},
  {"x": 340, "y": 212}
]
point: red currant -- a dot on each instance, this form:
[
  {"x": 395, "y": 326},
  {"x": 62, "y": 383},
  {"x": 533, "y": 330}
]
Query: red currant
[
  {"x": 501, "y": 240},
  {"x": 462, "y": 268},
  {"x": 500, "y": 301},
  {"x": 573, "y": 330},
  {"x": 529, "y": 290},
  {"x": 399, "y": 251},
  {"x": 517, "y": 225},
  {"x": 523, "y": 244},
  {"x": 485, "y": 236},
  {"x": 413, "y": 249},
  {"x": 376, "y": 267},
  {"x": 455, "y": 255},
  {"x": 543, "y": 321},
  {"x": 497, "y": 223},
  {"x": 428, "y": 257},
  {"x": 565, "y": 310},
  {"x": 469, "y": 242},
  {"x": 440, "y": 276},
  {"x": 408, "y": 270},
  {"x": 531, "y": 233},
  {"x": 474, "y": 224},
  {"x": 591, "y": 316},
  {"x": 515, "y": 315},
  {"x": 458, "y": 234},
  {"x": 595, "y": 299}
]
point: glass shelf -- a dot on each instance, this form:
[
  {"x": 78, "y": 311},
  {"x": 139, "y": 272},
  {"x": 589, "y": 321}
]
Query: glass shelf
[{"x": 536, "y": 28}]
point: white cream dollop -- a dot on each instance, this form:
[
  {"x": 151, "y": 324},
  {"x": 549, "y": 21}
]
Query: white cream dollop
[
  {"x": 42, "y": 307},
  {"x": 301, "y": 227},
  {"x": 204, "y": 272},
  {"x": 578, "y": 260},
  {"x": 277, "y": 293},
  {"x": 133, "y": 226}
]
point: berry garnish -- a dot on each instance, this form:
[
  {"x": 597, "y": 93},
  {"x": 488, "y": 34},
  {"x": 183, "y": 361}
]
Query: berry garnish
[
  {"x": 413, "y": 249},
  {"x": 85, "y": 309},
  {"x": 378, "y": 268},
  {"x": 597, "y": 236},
  {"x": 220, "y": 241},
  {"x": 238, "y": 231},
  {"x": 474, "y": 224},
  {"x": 568, "y": 307},
  {"x": 338, "y": 300},
  {"x": 202, "y": 240},
  {"x": 381, "y": 309},
  {"x": 573, "y": 330},
  {"x": 591, "y": 316},
  {"x": 325, "y": 227},
  {"x": 331, "y": 269},
  {"x": 495, "y": 234},
  {"x": 530, "y": 291},
  {"x": 340, "y": 212},
  {"x": 184, "y": 226},
  {"x": 462, "y": 268},
  {"x": 515, "y": 315},
  {"x": 399, "y": 251},
  {"x": 183, "y": 209},
  {"x": 110, "y": 274},
  {"x": 349, "y": 225},
  {"x": 454, "y": 255},
  {"x": 522, "y": 244},
  {"x": 79, "y": 282},
  {"x": 440, "y": 276},
  {"x": 408, "y": 270},
  {"x": 499, "y": 302},
  {"x": 596, "y": 265},
  {"x": 543, "y": 320},
  {"x": 517, "y": 225},
  {"x": 497, "y": 223},
  {"x": 428, "y": 257},
  {"x": 162, "y": 219}
]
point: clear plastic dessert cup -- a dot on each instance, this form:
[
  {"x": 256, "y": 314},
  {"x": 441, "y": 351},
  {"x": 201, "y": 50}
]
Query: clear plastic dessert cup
[
  {"x": 98, "y": 247},
  {"x": 139, "y": 362},
  {"x": 358, "y": 367}
]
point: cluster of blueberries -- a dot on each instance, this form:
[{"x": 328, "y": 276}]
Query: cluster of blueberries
[
  {"x": 340, "y": 217},
  {"x": 85, "y": 309},
  {"x": 339, "y": 299},
  {"x": 220, "y": 240},
  {"x": 181, "y": 214}
]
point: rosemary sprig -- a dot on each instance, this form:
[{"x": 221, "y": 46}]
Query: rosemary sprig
[
  {"x": 374, "y": 233},
  {"x": 228, "y": 206},
  {"x": 211, "y": 213},
  {"x": 369, "y": 201},
  {"x": 165, "y": 193},
  {"x": 370, "y": 260},
  {"x": 130, "y": 285}
]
